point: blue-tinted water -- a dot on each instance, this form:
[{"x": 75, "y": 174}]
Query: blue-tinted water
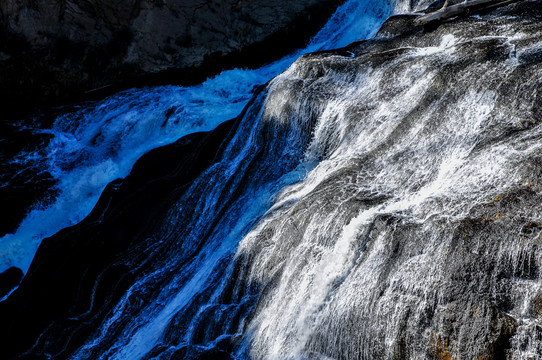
[{"x": 101, "y": 141}]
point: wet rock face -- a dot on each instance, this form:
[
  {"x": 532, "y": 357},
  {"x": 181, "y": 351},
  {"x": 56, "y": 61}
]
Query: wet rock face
[
  {"x": 433, "y": 250},
  {"x": 404, "y": 174},
  {"x": 93, "y": 266},
  {"x": 51, "y": 51}
]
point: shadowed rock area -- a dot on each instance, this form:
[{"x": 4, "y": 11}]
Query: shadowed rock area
[
  {"x": 61, "y": 50},
  {"x": 404, "y": 175},
  {"x": 101, "y": 257},
  {"x": 9, "y": 279}
]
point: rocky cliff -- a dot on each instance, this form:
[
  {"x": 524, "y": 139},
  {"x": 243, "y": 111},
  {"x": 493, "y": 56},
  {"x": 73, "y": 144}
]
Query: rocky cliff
[
  {"x": 55, "y": 51},
  {"x": 379, "y": 201}
]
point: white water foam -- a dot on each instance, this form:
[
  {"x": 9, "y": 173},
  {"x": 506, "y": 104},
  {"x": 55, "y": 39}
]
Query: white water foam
[
  {"x": 101, "y": 142},
  {"x": 428, "y": 169}
]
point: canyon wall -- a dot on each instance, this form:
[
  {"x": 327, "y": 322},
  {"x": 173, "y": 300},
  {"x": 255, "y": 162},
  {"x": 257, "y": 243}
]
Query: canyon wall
[{"x": 56, "y": 51}]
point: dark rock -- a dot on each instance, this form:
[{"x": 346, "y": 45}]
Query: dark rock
[
  {"x": 198, "y": 353},
  {"x": 439, "y": 278},
  {"x": 9, "y": 279},
  {"x": 86, "y": 264},
  {"x": 399, "y": 25},
  {"x": 56, "y": 51},
  {"x": 434, "y": 6}
]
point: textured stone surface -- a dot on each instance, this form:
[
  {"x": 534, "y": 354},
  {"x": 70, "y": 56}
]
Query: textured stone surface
[
  {"x": 93, "y": 263},
  {"x": 51, "y": 51},
  {"x": 417, "y": 235}
]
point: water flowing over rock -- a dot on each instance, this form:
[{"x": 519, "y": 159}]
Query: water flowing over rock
[
  {"x": 54, "y": 168},
  {"x": 379, "y": 201}
]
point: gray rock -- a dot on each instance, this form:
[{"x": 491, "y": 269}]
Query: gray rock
[{"x": 417, "y": 235}]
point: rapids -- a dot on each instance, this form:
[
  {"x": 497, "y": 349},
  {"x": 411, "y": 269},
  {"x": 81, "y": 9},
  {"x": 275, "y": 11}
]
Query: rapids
[
  {"x": 378, "y": 201},
  {"x": 100, "y": 142}
]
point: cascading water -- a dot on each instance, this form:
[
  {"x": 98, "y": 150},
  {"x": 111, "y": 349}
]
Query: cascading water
[
  {"x": 380, "y": 201},
  {"x": 371, "y": 254},
  {"x": 100, "y": 143},
  {"x": 378, "y": 178}
]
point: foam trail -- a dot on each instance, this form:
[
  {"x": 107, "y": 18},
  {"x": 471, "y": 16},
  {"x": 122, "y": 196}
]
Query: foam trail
[
  {"x": 100, "y": 142},
  {"x": 407, "y": 183}
]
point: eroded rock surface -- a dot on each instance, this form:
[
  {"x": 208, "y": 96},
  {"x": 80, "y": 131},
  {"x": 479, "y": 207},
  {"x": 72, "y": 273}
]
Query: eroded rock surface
[{"x": 404, "y": 175}]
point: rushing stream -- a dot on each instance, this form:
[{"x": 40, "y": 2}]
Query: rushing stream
[
  {"x": 100, "y": 143},
  {"x": 378, "y": 201}
]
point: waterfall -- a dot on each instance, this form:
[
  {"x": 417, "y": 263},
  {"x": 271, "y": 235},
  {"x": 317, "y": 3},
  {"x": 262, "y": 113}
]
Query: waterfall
[
  {"x": 100, "y": 142},
  {"x": 358, "y": 193},
  {"x": 378, "y": 201},
  {"x": 366, "y": 256}
]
